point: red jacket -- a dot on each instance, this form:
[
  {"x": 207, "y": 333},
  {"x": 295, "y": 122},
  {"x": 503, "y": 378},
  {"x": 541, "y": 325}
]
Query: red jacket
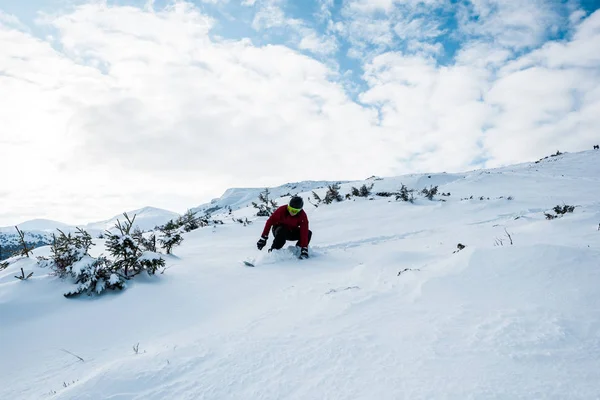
[{"x": 281, "y": 216}]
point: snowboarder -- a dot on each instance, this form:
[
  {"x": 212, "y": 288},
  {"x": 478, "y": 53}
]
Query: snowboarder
[{"x": 289, "y": 223}]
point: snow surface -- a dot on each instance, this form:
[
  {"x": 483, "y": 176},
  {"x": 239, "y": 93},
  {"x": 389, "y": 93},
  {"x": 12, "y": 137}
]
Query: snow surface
[{"x": 383, "y": 309}]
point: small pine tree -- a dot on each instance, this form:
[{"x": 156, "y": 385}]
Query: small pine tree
[
  {"x": 365, "y": 191},
  {"x": 94, "y": 276},
  {"x": 430, "y": 193},
  {"x": 317, "y": 198},
  {"x": 124, "y": 248},
  {"x": 170, "y": 236},
  {"x": 333, "y": 194},
  {"x": 188, "y": 221},
  {"x": 151, "y": 262},
  {"x": 70, "y": 258},
  {"x": 564, "y": 209},
  {"x": 66, "y": 250},
  {"x": 405, "y": 194},
  {"x": 147, "y": 243},
  {"x": 25, "y": 248},
  {"x": 267, "y": 206}
]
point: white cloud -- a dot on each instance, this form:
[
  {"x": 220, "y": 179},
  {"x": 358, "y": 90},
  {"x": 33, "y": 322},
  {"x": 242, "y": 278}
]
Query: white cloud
[
  {"x": 418, "y": 28},
  {"x": 374, "y": 27},
  {"x": 325, "y": 7},
  {"x": 318, "y": 44},
  {"x": 513, "y": 24},
  {"x": 271, "y": 15},
  {"x": 487, "y": 105},
  {"x": 167, "y": 108},
  {"x": 370, "y": 6}
]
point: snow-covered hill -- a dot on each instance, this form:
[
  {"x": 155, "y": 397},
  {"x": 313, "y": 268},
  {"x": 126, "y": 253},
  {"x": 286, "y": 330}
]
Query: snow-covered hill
[
  {"x": 38, "y": 231},
  {"x": 146, "y": 218},
  {"x": 385, "y": 308},
  {"x": 237, "y": 198},
  {"x": 37, "y": 225}
]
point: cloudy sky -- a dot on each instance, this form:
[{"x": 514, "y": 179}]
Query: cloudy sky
[{"x": 107, "y": 106}]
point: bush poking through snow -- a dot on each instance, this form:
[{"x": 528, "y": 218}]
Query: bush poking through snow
[
  {"x": 317, "y": 199},
  {"x": 170, "y": 236},
  {"x": 363, "y": 191},
  {"x": 66, "y": 250},
  {"x": 188, "y": 221},
  {"x": 146, "y": 242},
  {"x": 244, "y": 221},
  {"x": 23, "y": 277},
  {"x": 406, "y": 270},
  {"x": 500, "y": 241},
  {"x": 123, "y": 248},
  {"x": 151, "y": 262},
  {"x": 266, "y": 207},
  {"x": 560, "y": 210},
  {"x": 563, "y": 209},
  {"x": 558, "y": 153},
  {"x": 95, "y": 275},
  {"x": 405, "y": 194},
  {"x": 3, "y": 265},
  {"x": 70, "y": 258},
  {"x": 333, "y": 194},
  {"x": 459, "y": 247},
  {"x": 430, "y": 193}
]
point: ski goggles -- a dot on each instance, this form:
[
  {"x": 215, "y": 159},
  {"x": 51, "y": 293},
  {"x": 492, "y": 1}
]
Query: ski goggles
[{"x": 293, "y": 210}]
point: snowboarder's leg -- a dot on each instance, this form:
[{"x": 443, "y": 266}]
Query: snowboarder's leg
[
  {"x": 295, "y": 235},
  {"x": 281, "y": 236}
]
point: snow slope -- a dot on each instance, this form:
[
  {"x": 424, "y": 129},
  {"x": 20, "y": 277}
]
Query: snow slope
[
  {"x": 383, "y": 309},
  {"x": 237, "y": 198}
]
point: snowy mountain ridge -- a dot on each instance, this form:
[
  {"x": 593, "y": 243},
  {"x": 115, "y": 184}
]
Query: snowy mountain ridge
[
  {"x": 388, "y": 305},
  {"x": 236, "y": 198}
]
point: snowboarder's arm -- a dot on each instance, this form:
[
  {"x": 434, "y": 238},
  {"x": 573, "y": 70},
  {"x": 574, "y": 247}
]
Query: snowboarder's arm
[
  {"x": 276, "y": 216},
  {"x": 304, "y": 232}
]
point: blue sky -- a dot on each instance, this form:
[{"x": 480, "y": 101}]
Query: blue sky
[
  {"x": 235, "y": 20},
  {"x": 116, "y": 95}
]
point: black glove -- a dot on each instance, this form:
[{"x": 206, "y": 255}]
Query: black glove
[
  {"x": 304, "y": 253},
  {"x": 262, "y": 242}
]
